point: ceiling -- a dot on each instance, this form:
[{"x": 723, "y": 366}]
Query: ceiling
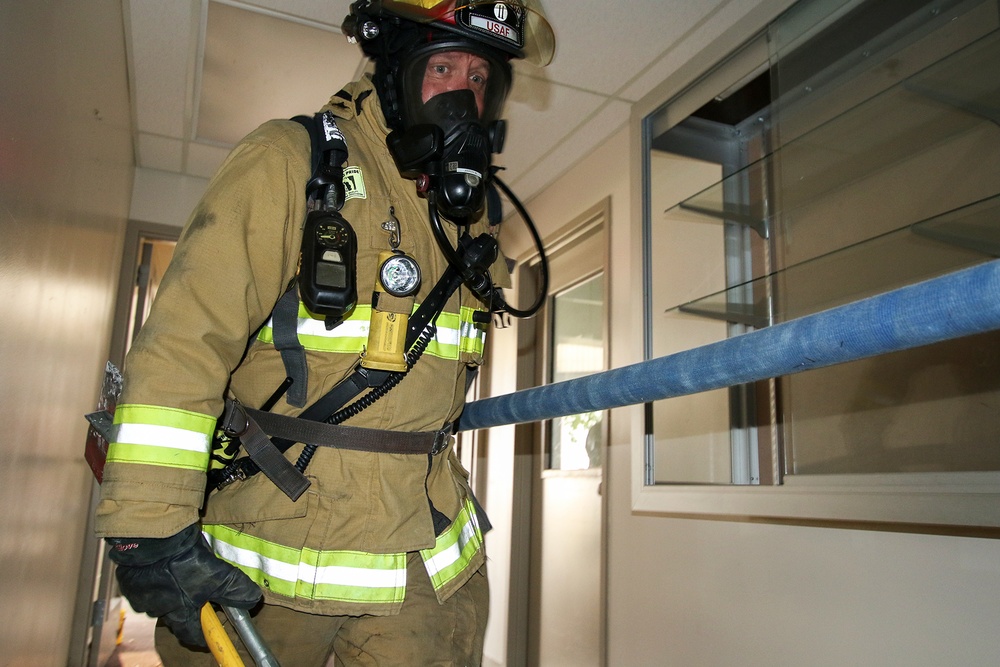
[{"x": 204, "y": 73}]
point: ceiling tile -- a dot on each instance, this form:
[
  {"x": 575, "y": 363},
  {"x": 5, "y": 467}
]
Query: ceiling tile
[
  {"x": 163, "y": 153},
  {"x": 601, "y": 49},
  {"x": 553, "y": 163},
  {"x": 684, "y": 48},
  {"x": 329, "y": 12},
  {"x": 161, "y": 47},
  {"x": 539, "y": 114},
  {"x": 257, "y": 67}
]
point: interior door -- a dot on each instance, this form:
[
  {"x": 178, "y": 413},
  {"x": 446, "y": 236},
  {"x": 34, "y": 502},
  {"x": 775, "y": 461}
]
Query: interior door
[
  {"x": 147, "y": 252},
  {"x": 566, "y": 618}
]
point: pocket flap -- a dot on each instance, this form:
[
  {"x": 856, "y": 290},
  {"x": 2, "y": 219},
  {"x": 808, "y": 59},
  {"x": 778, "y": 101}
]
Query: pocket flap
[{"x": 251, "y": 500}]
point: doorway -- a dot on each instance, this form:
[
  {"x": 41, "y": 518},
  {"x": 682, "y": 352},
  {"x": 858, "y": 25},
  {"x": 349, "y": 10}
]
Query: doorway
[
  {"x": 564, "y": 590},
  {"x": 147, "y": 250}
]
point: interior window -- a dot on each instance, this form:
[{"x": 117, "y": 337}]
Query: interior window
[
  {"x": 852, "y": 149},
  {"x": 576, "y": 442}
]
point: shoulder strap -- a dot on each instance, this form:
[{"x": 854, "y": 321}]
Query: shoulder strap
[
  {"x": 329, "y": 155},
  {"x": 326, "y": 186}
]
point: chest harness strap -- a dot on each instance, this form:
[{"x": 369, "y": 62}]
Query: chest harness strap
[
  {"x": 265, "y": 453},
  {"x": 324, "y": 190},
  {"x": 317, "y": 425}
]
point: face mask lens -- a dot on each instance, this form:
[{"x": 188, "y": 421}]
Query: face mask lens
[{"x": 448, "y": 68}]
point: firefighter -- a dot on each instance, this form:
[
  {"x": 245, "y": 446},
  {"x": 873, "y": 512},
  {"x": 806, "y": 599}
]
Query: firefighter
[{"x": 381, "y": 559}]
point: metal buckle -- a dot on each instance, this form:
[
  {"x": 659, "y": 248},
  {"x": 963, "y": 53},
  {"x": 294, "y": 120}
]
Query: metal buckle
[
  {"x": 442, "y": 439},
  {"x": 229, "y": 415},
  {"x": 234, "y": 472}
]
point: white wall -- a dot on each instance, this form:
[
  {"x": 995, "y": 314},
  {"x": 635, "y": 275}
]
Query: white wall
[
  {"x": 65, "y": 180},
  {"x": 554, "y": 209},
  {"x": 699, "y": 592}
]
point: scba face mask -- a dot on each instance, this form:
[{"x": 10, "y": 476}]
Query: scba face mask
[{"x": 451, "y": 99}]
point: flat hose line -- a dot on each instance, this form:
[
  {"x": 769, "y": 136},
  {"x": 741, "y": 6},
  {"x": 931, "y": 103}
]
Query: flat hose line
[{"x": 954, "y": 305}]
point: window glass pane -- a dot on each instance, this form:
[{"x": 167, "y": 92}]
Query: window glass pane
[
  {"x": 872, "y": 162},
  {"x": 576, "y": 442},
  {"x": 887, "y": 172}
]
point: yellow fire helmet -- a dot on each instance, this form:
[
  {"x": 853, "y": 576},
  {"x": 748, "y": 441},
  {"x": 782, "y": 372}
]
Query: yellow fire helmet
[
  {"x": 401, "y": 35},
  {"x": 517, "y": 27}
]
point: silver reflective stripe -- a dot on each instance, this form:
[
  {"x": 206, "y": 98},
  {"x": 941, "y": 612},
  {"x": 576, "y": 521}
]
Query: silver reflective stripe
[
  {"x": 453, "y": 553},
  {"x": 347, "y": 576},
  {"x": 152, "y": 435}
]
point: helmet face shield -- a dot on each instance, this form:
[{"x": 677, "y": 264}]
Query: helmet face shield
[{"x": 448, "y": 66}]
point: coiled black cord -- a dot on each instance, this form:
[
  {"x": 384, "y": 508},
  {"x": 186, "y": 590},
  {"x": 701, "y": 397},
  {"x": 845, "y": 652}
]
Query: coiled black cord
[{"x": 543, "y": 262}]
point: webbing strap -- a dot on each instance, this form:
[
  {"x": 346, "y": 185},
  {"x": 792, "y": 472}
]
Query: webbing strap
[
  {"x": 286, "y": 341},
  {"x": 328, "y": 151},
  {"x": 237, "y": 422},
  {"x": 363, "y": 378},
  {"x": 350, "y": 437}
]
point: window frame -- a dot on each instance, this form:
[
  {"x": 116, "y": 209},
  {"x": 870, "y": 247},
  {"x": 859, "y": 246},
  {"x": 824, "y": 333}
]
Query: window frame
[{"x": 940, "y": 503}]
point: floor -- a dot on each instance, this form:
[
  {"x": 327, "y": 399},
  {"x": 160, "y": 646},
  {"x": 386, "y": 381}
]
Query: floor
[{"x": 136, "y": 646}]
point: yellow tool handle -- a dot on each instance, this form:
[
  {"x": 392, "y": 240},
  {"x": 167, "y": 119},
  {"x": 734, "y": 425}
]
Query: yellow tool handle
[{"x": 218, "y": 641}]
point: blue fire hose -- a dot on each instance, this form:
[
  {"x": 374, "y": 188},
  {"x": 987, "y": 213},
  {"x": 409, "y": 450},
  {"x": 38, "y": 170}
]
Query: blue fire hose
[{"x": 958, "y": 304}]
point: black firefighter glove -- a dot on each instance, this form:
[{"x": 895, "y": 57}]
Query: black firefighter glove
[{"x": 172, "y": 577}]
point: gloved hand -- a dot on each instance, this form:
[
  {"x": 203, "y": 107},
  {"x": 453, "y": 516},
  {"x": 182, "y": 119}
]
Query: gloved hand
[{"x": 172, "y": 577}]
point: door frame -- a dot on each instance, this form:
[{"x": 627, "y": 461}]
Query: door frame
[
  {"x": 529, "y": 442},
  {"x": 96, "y": 585}
]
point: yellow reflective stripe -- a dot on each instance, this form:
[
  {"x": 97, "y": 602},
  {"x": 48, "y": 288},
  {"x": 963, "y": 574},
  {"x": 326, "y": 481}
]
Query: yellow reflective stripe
[
  {"x": 345, "y": 576},
  {"x": 162, "y": 436},
  {"x": 349, "y": 336},
  {"x": 455, "y": 548},
  {"x": 456, "y": 333},
  {"x": 473, "y": 335},
  {"x": 446, "y": 340}
]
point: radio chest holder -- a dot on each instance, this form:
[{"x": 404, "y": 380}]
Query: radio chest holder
[{"x": 328, "y": 268}]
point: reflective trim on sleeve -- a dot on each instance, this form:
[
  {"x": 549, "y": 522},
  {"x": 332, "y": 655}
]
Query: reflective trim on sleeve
[
  {"x": 456, "y": 333},
  {"x": 162, "y": 436},
  {"x": 455, "y": 548},
  {"x": 344, "y": 576}
]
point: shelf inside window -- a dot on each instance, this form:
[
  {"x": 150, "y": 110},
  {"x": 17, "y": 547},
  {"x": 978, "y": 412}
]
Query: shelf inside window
[
  {"x": 959, "y": 95},
  {"x": 966, "y": 236}
]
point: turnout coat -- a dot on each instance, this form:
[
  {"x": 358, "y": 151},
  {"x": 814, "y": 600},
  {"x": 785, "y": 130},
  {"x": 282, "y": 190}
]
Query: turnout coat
[{"x": 342, "y": 547}]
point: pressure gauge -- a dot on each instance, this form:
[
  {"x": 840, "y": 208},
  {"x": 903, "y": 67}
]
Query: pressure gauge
[{"x": 400, "y": 275}]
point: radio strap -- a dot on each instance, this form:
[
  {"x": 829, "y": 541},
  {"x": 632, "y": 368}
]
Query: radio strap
[{"x": 324, "y": 190}]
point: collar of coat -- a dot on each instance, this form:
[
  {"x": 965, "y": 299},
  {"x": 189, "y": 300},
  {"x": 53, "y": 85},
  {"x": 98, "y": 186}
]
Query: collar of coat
[{"x": 358, "y": 99}]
